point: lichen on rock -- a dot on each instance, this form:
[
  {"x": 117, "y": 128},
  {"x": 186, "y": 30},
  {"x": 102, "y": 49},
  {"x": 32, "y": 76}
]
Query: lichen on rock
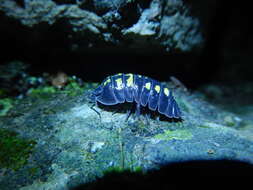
[{"x": 73, "y": 146}]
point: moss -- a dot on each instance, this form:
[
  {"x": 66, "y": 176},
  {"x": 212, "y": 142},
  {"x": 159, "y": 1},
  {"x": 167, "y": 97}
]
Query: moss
[
  {"x": 42, "y": 92},
  {"x": 137, "y": 169},
  {"x": 177, "y": 134},
  {"x": 74, "y": 88},
  {"x": 5, "y": 106},
  {"x": 14, "y": 151},
  {"x": 119, "y": 170},
  {"x": 114, "y": 170}
]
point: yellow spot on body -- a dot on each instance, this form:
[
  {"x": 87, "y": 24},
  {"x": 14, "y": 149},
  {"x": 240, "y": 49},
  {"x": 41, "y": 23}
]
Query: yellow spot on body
[
  {"x": 119, "y": 74},
  {"x": 107, "y": 81},
  {"x": 119, "y": 84},
  {"x": 130, "y": 80},
  {"x": 166, "y": 91},
  {"x": 148, "y": 85},
  {"x": 157, "y": 88}
]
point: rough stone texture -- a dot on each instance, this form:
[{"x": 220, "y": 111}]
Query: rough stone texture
[
  {"x": 74, "y": 147},
  {"x": 135, "y": 24}
]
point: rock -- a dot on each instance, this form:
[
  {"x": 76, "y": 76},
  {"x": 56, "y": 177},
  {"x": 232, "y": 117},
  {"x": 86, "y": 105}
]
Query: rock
[
  {"x": 167, "y": 25},
  {"x": 37, "y": 11},
  {"x": 72, "y": 146},
  {"x": 170, "y": 27}
]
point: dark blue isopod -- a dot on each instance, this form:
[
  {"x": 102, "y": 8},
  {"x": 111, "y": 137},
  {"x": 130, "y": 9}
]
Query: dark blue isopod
[{"x": 143, "y": 90}]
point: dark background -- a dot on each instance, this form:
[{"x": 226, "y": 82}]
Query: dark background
[{"x": 226, "y": 56}]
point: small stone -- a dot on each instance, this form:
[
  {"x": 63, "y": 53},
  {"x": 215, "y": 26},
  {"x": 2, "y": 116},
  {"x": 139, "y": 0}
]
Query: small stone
[
  {"x": 210, "y": 151},
  {"x": 96, "y": 146}
]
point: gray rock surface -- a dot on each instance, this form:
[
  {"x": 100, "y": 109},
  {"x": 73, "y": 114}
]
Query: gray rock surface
[
  {"x": 167, "y": 25},
  {"x": 73, "y": 146}
]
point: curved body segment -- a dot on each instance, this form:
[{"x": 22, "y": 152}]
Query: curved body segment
[{"x": 143, "y": 90}]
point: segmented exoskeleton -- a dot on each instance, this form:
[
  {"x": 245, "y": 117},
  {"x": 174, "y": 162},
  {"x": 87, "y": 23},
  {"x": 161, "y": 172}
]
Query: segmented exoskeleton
[{"x": 143, "y": 90}]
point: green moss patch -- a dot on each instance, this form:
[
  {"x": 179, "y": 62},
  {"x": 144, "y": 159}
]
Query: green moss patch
[
  {"x": 5, "y": 106},
  {"x": 119, "y": 170},
  {"x": 14, "y": 151},
  {"x": 42, "y": 92},
  {"x": 177, "y": 134},
  {"x": 73, "y": 88}
]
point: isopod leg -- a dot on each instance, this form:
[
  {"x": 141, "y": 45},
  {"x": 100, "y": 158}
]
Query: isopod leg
[
  {"x": 147, "y": 118},
  {"x": 92, "y": 107},
  {"x": 129, "y": 112},
  {"x": 138, "y": 110}
]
